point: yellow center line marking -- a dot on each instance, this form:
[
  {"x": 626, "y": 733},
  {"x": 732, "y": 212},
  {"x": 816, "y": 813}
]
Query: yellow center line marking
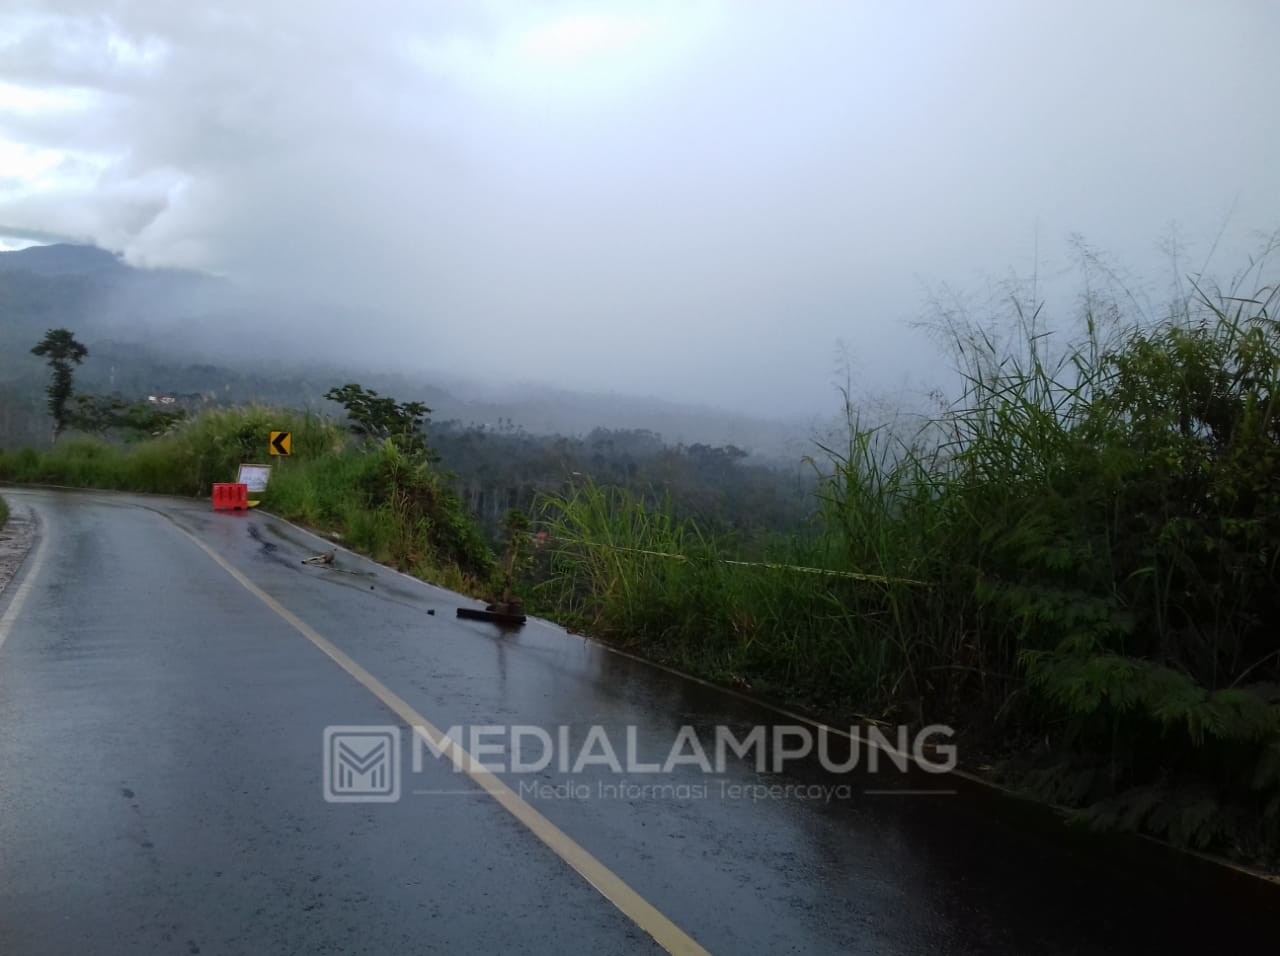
[{"x": 611, "y": 886}]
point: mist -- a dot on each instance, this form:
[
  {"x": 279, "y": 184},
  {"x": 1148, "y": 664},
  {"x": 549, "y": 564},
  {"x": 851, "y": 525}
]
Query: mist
[{"x": 708, "y": 202}]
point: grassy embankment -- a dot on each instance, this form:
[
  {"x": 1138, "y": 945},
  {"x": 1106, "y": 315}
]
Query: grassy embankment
[
  {"x": 378, "y": 498},
  {"x": 1075, "y": 563}
]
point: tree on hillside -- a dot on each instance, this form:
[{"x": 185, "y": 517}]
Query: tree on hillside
[
  {"x": 107, "y": 414},
  {"x": 63, "y": 352},
  {"x": 379, "y": 417}
]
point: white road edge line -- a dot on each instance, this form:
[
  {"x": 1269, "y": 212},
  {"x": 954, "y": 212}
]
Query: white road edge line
[{"x": 29, "y": 572}]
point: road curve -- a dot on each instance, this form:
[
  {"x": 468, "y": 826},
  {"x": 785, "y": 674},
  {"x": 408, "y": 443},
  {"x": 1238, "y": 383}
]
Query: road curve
[{"x": 167, "y": 676}]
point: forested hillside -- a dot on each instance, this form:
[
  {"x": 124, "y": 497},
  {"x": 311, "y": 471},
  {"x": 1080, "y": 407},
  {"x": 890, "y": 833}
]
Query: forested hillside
[{"x": 145, "y": 329}]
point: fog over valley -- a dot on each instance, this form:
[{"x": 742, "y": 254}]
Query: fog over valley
[{"x": 727, "y": 204}]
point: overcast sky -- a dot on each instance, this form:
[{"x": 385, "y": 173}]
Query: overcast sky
[{"x": 693, "y": 199}]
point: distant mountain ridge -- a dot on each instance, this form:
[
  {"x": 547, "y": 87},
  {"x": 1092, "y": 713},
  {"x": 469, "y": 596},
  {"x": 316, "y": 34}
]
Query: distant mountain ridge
[
  {"x": 66, "y": 259},
  {"x": 173, "y": 331},
  {"x": 62, "y": 259}
]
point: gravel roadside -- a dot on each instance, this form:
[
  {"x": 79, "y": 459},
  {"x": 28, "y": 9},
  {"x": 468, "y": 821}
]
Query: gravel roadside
[{"x": 16, "y": 538}]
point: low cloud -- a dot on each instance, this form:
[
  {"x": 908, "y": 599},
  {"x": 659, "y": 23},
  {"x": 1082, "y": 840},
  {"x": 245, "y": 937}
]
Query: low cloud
[{"x": 697, "y": 200}]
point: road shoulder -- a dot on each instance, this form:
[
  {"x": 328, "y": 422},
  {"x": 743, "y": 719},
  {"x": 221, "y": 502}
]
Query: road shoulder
[{"x": 16, "y": 538}]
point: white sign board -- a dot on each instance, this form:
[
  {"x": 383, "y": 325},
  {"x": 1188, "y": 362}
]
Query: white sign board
[{"x": 255, "y": 476}]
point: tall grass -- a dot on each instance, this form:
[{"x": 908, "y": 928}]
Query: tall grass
[
  {"x": 380, "y": 500},
  {"x": 779, "y": 625},
  {"x": 185, "y": 461},
  {"x": 1097, "y": 530}
]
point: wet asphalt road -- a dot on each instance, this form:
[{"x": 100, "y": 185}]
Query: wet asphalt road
[{"x": 161, "y": 785}]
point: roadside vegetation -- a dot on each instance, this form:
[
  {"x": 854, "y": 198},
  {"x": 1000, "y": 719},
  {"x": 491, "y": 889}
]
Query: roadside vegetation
[
  {"x": 381, "y": 494},
  {"x": 1075, "y": 562}
]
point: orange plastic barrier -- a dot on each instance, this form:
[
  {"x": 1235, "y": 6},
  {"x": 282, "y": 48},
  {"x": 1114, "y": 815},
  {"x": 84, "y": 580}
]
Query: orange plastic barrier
[{"x": 230, "y": 496}]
